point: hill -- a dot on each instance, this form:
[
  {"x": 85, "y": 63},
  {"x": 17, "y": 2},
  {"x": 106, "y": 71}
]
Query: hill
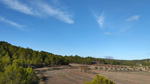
[{"x": 28, "y": 57}]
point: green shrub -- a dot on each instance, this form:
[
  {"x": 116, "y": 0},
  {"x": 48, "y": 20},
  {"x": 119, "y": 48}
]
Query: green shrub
[
  {"x": 100, "y": 80},
  {"x": 18, "y": 75},
  {"x": 96, "y": 67}
]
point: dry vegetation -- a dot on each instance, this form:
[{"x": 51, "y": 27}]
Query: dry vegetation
[{"x": 73, "y": 75}]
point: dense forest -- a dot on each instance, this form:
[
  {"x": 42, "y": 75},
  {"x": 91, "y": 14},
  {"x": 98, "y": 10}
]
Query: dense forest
[{"x": 18, "y": 61}]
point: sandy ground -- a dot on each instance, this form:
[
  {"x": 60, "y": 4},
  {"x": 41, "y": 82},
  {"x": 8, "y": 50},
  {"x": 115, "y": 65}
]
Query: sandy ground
[
  {"x": 67, "y": 76},
  {"x": 75, "y": 76},
  {"x": 70, "y": 75}
]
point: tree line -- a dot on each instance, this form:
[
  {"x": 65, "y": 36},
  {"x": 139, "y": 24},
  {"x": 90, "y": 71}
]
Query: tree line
[{"x": 26, "y": 57}]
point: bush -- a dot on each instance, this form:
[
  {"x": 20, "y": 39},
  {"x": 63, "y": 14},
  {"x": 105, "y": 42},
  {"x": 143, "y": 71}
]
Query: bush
[
  {"x": 100, "y": 80},
  {"x": 96, "y": 67},
  {"x": 84, "y": 68},
  {"x": 18, "y": 75}
]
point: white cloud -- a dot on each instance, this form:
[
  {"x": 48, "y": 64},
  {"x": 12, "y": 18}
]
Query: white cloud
[
  {"x": 123, "y": 30},
  {"x": 61, "y": 15},
  {"x": 16, "y": 5},
  {"x": 39, "y": 9},
  {"x": 133, "y": 18},
  {"x": 100, "y": 20},
  {"x": 11, "y": 23},
  {"x": 107, "y": 33}
]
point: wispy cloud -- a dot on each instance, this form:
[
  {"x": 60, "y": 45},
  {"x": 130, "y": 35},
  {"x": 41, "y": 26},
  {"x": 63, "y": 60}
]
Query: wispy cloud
[
  {"x": 39, "y": 9},
  {"x": 133, "y": 18},
  {"x": 123, "y": 30},
  {"x": 50, "y": 11},
  {"x": 16, "y": 5},
  {"x": 107, "y": 33},
  {"x": 100, "y": 19},
  {"x": 11, "y": 23}
]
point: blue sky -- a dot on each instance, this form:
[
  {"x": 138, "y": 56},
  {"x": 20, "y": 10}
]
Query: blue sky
[{"x": 97, "y": 28}]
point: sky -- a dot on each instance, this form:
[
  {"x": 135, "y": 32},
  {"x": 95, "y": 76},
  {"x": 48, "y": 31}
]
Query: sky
[{"x": 119, "y": 29}]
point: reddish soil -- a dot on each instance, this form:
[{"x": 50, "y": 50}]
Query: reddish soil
[
  {"x": 75, "y": 76},
  {"x": 67, "y": 76}
]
